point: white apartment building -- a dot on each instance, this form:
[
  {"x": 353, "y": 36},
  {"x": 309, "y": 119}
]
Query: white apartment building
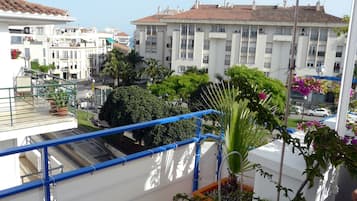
[
  {"x": 20, "y": 115},
  {"x": 76, "y": 53},
  {"x": 216, "y": 37}
]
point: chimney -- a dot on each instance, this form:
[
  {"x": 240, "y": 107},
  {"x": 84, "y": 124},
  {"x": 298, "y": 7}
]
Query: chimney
[
  {"x": 158, "y": 10},
  {"x": 197, "y": 3},
  {"x": 318, "y": 5},
  {"x": 254, "y": 7},
  {"x": 284, "y": 4}
]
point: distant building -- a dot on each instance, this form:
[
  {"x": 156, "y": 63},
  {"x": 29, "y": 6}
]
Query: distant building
[
  {"x": 216, "y": 37},
  {"x": 76, "y": 52}
]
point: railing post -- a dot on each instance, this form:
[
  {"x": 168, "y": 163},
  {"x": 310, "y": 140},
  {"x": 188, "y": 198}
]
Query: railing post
[
  {"x": 45, "y": 174},
  {"x": 11, "y": 119},
  {"x": 198, "y": 154}
]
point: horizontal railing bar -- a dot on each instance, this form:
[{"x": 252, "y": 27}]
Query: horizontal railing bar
[
  {"x": 38, "y": 86},
  {"x": 103, "y": 165},
  {"x": 106, "y": 132}
]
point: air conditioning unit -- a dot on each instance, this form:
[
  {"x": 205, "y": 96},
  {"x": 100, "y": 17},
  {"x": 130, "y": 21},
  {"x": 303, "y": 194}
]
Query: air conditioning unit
[{"x": 26, "y": 30}]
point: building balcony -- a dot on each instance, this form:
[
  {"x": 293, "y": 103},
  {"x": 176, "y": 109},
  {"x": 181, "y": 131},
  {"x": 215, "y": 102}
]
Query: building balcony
[
  {"x": 218, "y": 35},
  {"x": 27, "y": 109},
  {"x": 154, "y": 174}
]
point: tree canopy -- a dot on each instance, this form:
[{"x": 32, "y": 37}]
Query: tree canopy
[
  {"x": 42, "y": 68},
  {"x": 155, "y": 71},
  {"x": 179, "y": 86},
  {"x": 132, "y": 104},
  {"x": 121, "y": 67},
  {"x": 243, "y": 77}
]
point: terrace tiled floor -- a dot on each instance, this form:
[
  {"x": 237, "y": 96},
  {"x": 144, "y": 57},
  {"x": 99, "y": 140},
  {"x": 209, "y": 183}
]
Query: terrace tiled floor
[{"x": 29, "y": 113}]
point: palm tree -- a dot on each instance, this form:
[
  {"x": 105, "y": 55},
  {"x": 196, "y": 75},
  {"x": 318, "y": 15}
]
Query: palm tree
[
  {"x": 119, "y": 68},
  {"x": 134, "y": 58},
  {"x": 155, "y": 71}
]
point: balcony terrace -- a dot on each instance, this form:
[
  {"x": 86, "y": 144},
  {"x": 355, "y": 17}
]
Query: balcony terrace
[{"x": 27, "y": 107}]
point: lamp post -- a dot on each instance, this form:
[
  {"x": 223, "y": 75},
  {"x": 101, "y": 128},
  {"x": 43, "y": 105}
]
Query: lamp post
[{"x": 303, "y": 108}]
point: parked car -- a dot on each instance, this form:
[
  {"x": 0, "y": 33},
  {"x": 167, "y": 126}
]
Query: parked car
[
  {"x": 321, "y": 112},
  {"x": 295, "y": 109}
]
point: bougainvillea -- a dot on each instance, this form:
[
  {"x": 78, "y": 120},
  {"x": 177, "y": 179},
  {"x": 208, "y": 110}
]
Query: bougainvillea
[{"x": 305, "y": 86}]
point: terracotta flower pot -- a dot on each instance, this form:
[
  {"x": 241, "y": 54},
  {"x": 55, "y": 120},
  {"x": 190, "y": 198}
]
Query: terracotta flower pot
[
  {"x": 63, "y": 111},
  {"x": 201, "y": 192}
]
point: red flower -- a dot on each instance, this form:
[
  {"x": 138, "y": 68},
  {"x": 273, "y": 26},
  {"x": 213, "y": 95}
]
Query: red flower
[{"x": 262, "y": 96}]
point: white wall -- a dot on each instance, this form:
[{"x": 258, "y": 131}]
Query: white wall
[
  {"x": 10, "y": 168},
  {"x": 159, "y": 177}
]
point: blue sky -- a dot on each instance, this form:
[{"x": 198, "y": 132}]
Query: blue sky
[{"x": 119, "y": 13}]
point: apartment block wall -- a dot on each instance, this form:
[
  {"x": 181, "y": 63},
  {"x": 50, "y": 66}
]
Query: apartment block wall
[{"x": 266, "y": 46}]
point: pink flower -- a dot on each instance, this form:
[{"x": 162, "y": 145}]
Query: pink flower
[{"x": 262, "y": 96}]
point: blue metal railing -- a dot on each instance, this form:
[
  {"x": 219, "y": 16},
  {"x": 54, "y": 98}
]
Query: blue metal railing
[{"x": 47, "y": 180}]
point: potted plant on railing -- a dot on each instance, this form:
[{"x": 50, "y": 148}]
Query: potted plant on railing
[
  {"x": 61, "y": 99},
  {"x": 241, "y": 134}
]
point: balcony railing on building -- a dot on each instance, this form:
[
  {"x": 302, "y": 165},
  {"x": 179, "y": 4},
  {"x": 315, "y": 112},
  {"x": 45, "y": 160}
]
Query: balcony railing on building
[{"x": 31, "y": 102}]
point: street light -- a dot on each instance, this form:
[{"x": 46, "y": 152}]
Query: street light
[{"x": 303, "y": 108}]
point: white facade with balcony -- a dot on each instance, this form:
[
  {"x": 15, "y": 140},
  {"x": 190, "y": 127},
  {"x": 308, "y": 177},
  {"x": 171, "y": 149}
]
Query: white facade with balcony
[{"x": 219, "y": 44}]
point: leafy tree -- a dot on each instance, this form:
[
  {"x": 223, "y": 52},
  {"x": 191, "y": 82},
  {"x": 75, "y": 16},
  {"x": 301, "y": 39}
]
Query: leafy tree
[
  {"x": 344, "y": 29},
  {"x": 118, "y": 67},
  {"x": 42, "y": 68},
  {"x": 156, "y": 72},
  {"x": 245, "y": 78},
  {"x": 132, "y": 104},
  {"x": 169, "y": 133},
  {"x": 179, "y": 86},
  {"x": 134, "y": 59}
]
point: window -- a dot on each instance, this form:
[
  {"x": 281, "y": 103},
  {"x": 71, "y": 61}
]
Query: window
[
  {"x": 191, "y": 44},
  {"x": 64, "y": 54},
  {"x": 57, "y": 54},
  {"x": 321, "y": 53},
  {"x": 339, "y": 50},
  {"x": 228, "y": 45},
  {"x": 323, "y": 34},
  {"x": 206, "y": 45},
  {"x": 267, "y": 74},
  {"x": 27, "y": 53},
  {"x": 252, "y": 50},
  {"x": 218, "y": 28},
  {"x": 267, "y": 65},
  {"x": 269, "y": 48},
  {"x": 75, "y": 54},
  {"x": 71, "y": 54},
  {"x": 75, "y": 66},
  {"x": 71, "y": 66},
  {"x": 181, "y": 69},
  {"x": 336, "y": 67},
  {"x": 183, "y": 55},
  {"x": 205, "y": 59},
  {"x": 16, "y": 40},
  {"x": 53, "y": 55},
  {"x": 245, "y": 32},
  {"x": 253, "y": 32},
  {"x": 183, "y": 29},
  {"x": 227, "y": 60},
  {"x": 338, "y": 54},
  {"x": 314, "y": 34},
  {"x": 44, "y": 52},
  {"x": 183, "y": 43},
  {"x": 191, "y": 29},
  {"x": 190, "y": 55},
  {"x": 244, "y": 49},
  {"x": 312, "y": 50}
]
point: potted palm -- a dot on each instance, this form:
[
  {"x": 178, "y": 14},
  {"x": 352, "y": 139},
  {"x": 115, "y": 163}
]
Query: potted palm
[
  {"x": 241, "y": 134},
  {"x": 61, "y": 99}
]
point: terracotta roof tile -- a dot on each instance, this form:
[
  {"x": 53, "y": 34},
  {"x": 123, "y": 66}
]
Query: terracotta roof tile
[
  {"x": 151, "y": 19},
  {"x": 122, "y": 34},
  {"x": 261, "y": 13},
  {"x": 27, "y": 7}
]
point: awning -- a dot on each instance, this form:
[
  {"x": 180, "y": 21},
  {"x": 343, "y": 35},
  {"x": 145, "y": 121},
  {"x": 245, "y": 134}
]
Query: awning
[{"x": 110, "y": 40}]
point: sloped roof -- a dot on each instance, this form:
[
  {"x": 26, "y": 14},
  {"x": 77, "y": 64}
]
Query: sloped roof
[
  {"x": 23, "y": 6},
  {"x": 122, "y": 34},
  {"x": 151, "y": 19},
  {"x": 246, "y": 13}
]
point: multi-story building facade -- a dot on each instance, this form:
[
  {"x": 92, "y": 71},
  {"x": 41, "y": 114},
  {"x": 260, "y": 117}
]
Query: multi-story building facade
[
  {"x": 23, "y": 110},
  {"x": 76, "y": 53},
  {"x": 217, "y": 37}
]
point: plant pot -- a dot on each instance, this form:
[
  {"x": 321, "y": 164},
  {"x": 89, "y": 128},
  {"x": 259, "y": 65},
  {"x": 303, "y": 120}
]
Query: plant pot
[
  {"x": 201, "y": 192},
  {"x": 62, "y": 111}
]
